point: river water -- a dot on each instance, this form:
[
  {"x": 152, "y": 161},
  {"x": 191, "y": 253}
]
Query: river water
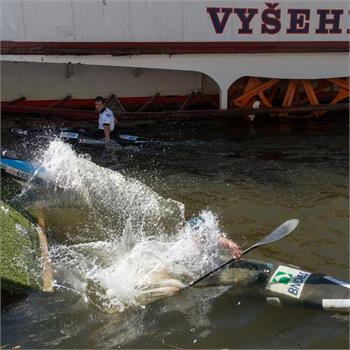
[{"x": 109, "y": 228}]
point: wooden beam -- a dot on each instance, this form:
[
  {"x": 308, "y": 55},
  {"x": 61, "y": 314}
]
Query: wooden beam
[
  {"x": 258, "y": 90},
  {"x": 187, "y": 101},
  {"x": 343, "y": 83},
  {"x": 343, "y": 91},
  {"x": 290, "y": 93},
  {"x": 342, "y": 95},
  {"x": 60, "y": 102},
  {"x": 310, "y": 93},
  {"x": 110, "y": 99},
  {"x": 252, "y": 83},
  {"x": 207, "y": 99},
  {"x": 311, "y": 96},
  {"x": 17, "y": 100},
  {"x": 149, "y": 102},
  {"x": 119, "y": 104}
]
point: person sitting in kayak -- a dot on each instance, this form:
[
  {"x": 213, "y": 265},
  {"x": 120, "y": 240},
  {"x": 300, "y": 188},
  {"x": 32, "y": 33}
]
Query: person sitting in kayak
[
  {"x": 229, "y": 244},
  {"x": 106, "y": 119}
]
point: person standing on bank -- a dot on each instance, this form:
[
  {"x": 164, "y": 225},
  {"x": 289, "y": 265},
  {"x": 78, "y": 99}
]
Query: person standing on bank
[{"x": 106, "y": 119}]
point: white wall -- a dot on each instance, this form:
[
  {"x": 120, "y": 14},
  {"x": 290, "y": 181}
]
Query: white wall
[
  {"x": 223, "y": 69},
  {"x": 47, "y": 81},
  {"x": 152, "y": 20}
]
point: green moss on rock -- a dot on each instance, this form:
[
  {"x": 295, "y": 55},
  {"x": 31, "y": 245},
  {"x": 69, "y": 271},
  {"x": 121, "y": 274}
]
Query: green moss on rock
[{"x": 19, "y": 264}]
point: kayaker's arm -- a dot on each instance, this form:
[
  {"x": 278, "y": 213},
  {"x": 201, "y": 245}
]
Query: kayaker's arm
[
  {"x": 232, "y": 246},
  {"x": 235, "y": 250},
  {"x": 107, "y": 130}
]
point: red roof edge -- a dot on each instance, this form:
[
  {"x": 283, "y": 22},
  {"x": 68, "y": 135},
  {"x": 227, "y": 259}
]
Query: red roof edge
[{"x": 138, "y": 48}]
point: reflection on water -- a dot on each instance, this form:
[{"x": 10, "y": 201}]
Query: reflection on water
[{"x": 247, "y": 181}]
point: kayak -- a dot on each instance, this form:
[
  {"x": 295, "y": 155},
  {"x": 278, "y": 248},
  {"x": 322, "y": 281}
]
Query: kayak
[
  {"x": 290, "y": 284},
  {"x": 283, "y": 284},
  {"x": 23, "y": 170},
  {"x": 80, "y": 137}
]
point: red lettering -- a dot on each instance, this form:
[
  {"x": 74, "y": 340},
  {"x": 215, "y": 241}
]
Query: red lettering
[
  {"x": 245, "y": 16},
  {"x": 271, "y": 19},
  {"x": 299, "y": 21},
  {"x": 219, "y": 26},
  {"x": 333, "y": 22}
]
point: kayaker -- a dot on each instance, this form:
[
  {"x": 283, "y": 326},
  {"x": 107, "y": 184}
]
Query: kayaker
[
  {"x": 106, "y": 119},
  {"x": 229, "y": 244}
]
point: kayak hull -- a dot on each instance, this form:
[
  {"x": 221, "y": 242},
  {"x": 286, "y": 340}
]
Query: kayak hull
[
  {"x": 80, "y": 137},
  {"x": 283, "y": 284},
  {"x": 289, "y": 284},
  {"x": 18, "y": 168},
  {"x": 12, "y": 165}
]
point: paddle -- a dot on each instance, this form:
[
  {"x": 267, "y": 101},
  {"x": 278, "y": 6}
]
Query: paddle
[
  {"x": 280, "y": 232},
  {"x": 135, "y": 139},
  {"x": 128, "y": 137}
]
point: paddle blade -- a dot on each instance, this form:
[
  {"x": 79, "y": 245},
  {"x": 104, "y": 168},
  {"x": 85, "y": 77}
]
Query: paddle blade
[
  {"x": 128, "y": 137},
  {"x": 281, "y": 231}
]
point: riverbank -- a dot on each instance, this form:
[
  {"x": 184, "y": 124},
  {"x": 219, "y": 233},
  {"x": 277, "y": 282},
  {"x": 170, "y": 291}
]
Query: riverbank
[{"x": 20, "y": 264}]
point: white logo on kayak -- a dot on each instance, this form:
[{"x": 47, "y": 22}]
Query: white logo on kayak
[
  {"x": 18, "y": 173},
  {"x": 69, "y": 135},
  {"x": 288, "y": 281}
]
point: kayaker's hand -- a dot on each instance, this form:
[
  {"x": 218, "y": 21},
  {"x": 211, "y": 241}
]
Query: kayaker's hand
[{"x": 232, "y": 246}]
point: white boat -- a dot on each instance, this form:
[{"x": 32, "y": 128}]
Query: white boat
[{"x": 164, "y": 52}]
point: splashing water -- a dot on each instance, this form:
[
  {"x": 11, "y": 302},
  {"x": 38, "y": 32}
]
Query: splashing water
[
  {"x": 111, "y": 195},
  {"x": 150, "y": 251},
  {"x": 118, "y": 273}
]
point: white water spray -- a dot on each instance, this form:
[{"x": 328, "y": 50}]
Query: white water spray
[
  {"x": 150, "y": 251},
  {"x": 113, "y": 196}
]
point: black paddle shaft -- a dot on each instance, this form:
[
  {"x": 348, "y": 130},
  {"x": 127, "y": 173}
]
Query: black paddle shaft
[{"x": 280, "y": 232}]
